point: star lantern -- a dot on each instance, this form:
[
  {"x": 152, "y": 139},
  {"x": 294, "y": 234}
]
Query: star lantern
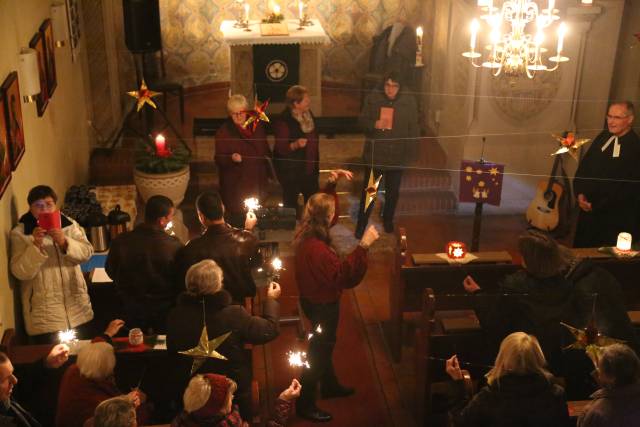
[
  {"x": 143, "y": 95},
  {"x": 371, "y": 190},
  {"x": 256, "y": 115},
  {"x": 205, "y": 349},
  {"x": 569, "y": 144},
  {"x": 590, "y": 340},
  {"x": 456, "y": 250}
]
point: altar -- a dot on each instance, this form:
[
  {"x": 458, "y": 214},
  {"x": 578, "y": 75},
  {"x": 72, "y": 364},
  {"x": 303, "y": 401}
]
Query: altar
[{"x": 282, "y": 64}]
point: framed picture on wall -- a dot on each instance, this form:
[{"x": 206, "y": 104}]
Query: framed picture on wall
[
  {"x": 46, "y": 30},
  {"x": 73, "y": 18},
  {"x": 37, "y": 43},
  {"x": 5, "y": 156},
  {"x": 12, "y": 118}
]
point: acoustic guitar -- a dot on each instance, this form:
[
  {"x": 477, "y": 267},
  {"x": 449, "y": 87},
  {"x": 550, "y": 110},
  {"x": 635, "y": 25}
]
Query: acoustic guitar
[{"x": 543, "y": 212}]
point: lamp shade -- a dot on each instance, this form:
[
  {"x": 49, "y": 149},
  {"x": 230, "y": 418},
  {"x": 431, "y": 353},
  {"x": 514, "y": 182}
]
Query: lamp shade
[
  {"x": 59, "y": 23},
  {"x": 28, "y": 73}
]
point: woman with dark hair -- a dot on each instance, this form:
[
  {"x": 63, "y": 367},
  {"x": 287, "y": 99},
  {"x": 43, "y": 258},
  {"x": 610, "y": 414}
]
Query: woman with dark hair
[
  {"x": 389, "y": 118},
  {"x": 296, "y": 151},
  {"x": 520, "y": 391},
  {"x": 553, "y": 287},
  {"x": 46, "y": 259},
  {"x": 321, "y": 277}
]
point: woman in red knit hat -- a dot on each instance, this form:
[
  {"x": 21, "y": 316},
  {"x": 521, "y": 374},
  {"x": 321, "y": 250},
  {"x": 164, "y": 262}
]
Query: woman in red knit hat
[{"x": 208, "y": 402}]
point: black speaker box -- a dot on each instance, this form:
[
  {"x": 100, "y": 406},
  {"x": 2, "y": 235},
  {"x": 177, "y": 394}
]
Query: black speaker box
[{"x": 142, "y": 25}]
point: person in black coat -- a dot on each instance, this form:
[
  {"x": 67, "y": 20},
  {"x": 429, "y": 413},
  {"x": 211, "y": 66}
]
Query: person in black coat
[
  {"x": 206, "y": 297},
  {"x": 520, "y": 390},
  {"x": 141, "y": 263},
  {"x": 607, "y": 182},
  {"x": 234, "y": 250}
]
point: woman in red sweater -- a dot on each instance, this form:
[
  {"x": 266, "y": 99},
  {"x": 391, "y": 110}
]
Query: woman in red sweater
[{"x": 321, "y": 276}]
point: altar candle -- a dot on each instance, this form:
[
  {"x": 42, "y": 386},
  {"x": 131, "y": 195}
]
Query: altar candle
[
  {"x": 624, "y": 242},
  {"x": 301, "y": 9},
  {"x": 161, "y": 144},
  {"x": 246, "y": 12},
  {"x": 276, "y": 9},
  {"x": 551, "y": 6}
]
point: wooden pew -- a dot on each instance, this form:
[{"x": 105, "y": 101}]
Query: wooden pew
[{"x": 409, "y": 281}]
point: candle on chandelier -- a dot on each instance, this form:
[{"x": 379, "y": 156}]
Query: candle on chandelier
[
  {"x": 161, "y": 144},
  {"x": 474, "y": 34},
  {"x": 246, "y": 12},
  {"x": 624, "y": 242},
  {"x": 552, "y": 4},
  {"x": 419, "y": 37},
  {"x": 561, "y": 32}
]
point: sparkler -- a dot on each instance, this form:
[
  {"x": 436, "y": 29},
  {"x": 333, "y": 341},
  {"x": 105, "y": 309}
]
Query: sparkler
[
  {"x": 252, "y": 204},
  {"x": 169, "y": 229},
  {"x": 298, "y": 359},
  {"x": 67, "y": 337}
]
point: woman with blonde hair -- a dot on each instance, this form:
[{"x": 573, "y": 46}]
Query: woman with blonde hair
[
  {"x": 519, "y": 392},
  {"x": 321, "y": 276}
]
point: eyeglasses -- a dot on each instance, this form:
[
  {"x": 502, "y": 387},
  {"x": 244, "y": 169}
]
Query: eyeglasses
[{"x": 238, "y": 113}]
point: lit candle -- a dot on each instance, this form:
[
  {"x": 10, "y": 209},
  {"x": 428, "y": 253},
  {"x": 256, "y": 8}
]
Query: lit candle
[
  {"x": 161, "y": 144},
  {"x": 419, "y": 36},
  {"x": 301, "y": 9},
  {"x": 551, "y": 6},
  {"x": 474, "y": 33},
  {"x": 561, "y": 32},
  {"x": 276, "y": 9},
  {"x": 624, "y": 242},
  {"x": 246, "y": 12}
]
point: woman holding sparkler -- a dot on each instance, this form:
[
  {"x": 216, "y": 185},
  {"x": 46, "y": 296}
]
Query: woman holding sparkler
[{"x": 321, "y": 276}]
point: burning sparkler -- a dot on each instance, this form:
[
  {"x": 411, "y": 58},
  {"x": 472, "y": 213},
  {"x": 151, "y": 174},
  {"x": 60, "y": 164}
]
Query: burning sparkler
[
  {"x": 298, "y": 359},
  {"x": 252, "y": 204},
  {"x": 67, "y": 337},
  {"x": 169, "y": 229}
]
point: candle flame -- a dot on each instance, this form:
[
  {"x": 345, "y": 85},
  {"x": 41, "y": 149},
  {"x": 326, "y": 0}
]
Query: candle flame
[
  {"x": 67, "y": 336},
  {"x": 298, "y": 359}
]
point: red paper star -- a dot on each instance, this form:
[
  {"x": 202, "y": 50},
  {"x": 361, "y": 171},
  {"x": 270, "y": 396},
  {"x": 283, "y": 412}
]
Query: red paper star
[{"x": 256, "y": 115}]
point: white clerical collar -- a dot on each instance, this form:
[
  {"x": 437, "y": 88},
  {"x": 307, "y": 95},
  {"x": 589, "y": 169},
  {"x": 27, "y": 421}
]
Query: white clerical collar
[{"x": 616, "y": 145}]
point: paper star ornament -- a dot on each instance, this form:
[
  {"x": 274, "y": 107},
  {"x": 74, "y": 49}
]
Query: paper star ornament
[
  {"x": 590, "y": 340},
  {"x": 371, "y": 190},
  {"x": 143, "y": 95},
  {"x": 205, "y": 349},
  {"x": 569, "y": 144},
  {"x": 256, "y": 115}
]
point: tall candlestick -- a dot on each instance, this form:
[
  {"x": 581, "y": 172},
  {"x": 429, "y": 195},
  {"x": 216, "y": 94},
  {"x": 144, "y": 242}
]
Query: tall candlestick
[
  {"x": 561, "y": 32},
  {"x": 276, "y": 9},
  {"x": 246, "y": 12},
  {"x": 552, "y": 4},
  {"x": 301, "y": 10},
  {"x": 161, "y": 144}
]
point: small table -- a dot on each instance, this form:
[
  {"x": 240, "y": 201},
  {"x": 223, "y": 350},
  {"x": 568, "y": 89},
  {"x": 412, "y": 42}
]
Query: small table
[{"x": 311, "y": 39}]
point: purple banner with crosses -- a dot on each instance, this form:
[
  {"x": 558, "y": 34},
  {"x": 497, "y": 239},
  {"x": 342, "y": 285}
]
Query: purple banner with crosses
[{"x": 481, "y": 182}]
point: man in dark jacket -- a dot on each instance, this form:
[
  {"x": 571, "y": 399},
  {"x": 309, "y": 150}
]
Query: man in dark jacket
[
  {"x": 206, "y": 297},
  {"x": 617, "y": 403},
  {"x": 390, "y": 121},
  {"x": 141, "y": 264},
  {"x": 11, "y": 412},
  {"x": 234, "y": 250}
]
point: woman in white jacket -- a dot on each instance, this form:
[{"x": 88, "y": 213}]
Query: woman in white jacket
[{"x": 47, "y": 263}]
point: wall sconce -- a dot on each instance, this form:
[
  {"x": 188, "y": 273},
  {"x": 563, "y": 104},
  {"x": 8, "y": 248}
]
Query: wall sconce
[
  {"x": 29, "y": 74},
  {"x": 59, "y": 23},
  {"x": 456, "y": 250}
]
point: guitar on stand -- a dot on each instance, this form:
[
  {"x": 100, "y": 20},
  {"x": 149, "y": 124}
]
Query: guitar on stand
[{"x": 545, "y": 210}]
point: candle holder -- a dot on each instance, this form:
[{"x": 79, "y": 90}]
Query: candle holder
[
  {"x": 273, "y": 18},
  {"x": 305, "y": 21},
  {"x": 245, "y": 25}
]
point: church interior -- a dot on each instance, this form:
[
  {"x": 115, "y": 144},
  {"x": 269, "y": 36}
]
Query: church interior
[{"x": 516, "y": 107}]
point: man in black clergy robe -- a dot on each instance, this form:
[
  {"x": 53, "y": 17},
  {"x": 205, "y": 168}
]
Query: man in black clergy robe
[{"x": 607, "y": 182}]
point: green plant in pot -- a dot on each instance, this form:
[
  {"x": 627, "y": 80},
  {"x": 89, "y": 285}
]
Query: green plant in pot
[{"x": 162, "y": 170}]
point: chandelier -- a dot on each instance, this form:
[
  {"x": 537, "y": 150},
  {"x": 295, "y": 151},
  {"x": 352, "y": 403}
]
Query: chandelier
[{"x": 519, "y": 49}]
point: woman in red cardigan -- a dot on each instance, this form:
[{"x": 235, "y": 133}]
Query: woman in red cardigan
[
  {"x": 321, "y": 276},
  {"x": 242, "y": 156}
]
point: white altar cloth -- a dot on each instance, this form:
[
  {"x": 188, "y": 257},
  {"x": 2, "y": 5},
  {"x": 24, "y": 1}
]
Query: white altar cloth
[{"x": 313, "y": 34}]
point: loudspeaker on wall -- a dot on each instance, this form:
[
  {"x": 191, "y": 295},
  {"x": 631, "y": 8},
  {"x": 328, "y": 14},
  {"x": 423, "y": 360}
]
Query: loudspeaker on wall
[{"x": 142, "y": 25}]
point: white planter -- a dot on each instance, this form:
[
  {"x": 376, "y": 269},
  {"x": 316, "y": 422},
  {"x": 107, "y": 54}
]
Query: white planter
[{"x": 172, "y": 185}]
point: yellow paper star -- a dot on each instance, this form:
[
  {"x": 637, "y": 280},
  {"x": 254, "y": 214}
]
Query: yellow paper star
[
  {"x": 493, "y": 171},
  {"x": 205, "y": 348},
  {"x": 570, "y": 144},
  {"x": 144, "y": 95},
  {"x": 371, "y": 190}
]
